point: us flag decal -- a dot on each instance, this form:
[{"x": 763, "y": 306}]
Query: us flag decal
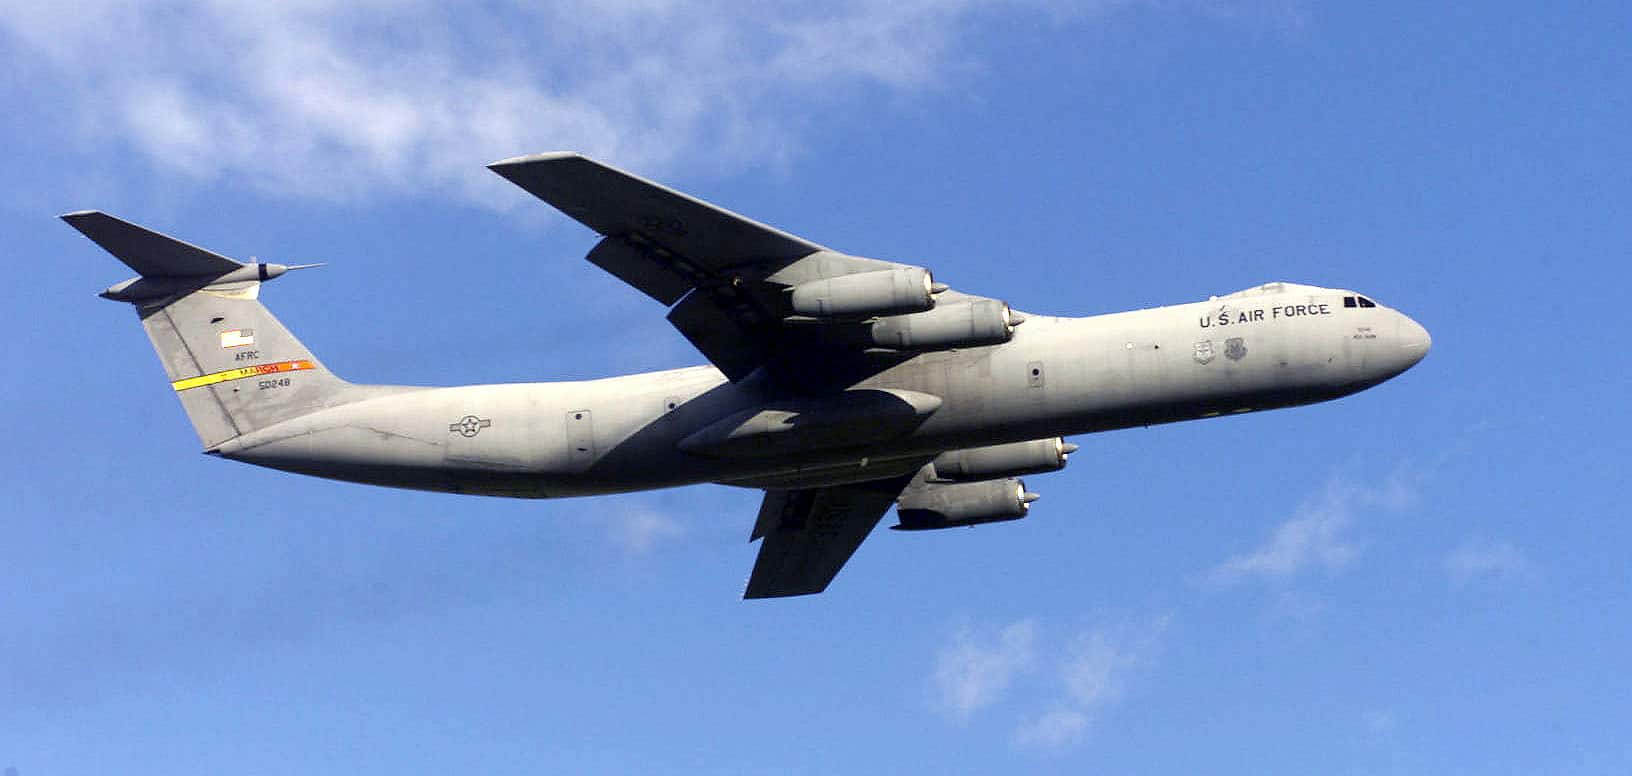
[{"x": 237, "y": 338}]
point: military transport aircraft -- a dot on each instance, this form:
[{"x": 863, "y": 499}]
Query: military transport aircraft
[{"x": 840, "y": 385}]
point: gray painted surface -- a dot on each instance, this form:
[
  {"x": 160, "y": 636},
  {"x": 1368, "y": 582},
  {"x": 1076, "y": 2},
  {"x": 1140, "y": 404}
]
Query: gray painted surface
[{"x": 808, "y": 408}]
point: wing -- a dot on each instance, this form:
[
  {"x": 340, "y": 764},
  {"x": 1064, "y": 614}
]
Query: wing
[
  {"x": 810, "y": 534},
  {"x": 724, "y": 274},
  {"x": 678, "y": 240}
]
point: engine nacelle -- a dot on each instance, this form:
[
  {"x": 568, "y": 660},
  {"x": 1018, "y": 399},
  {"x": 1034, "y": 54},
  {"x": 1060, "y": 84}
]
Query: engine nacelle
[
  {"x": 1010, "y": 460},
  {"x": 964, "y": 324},
  {"x": 865, "y": 294},
  {"x": 935, "y": 505}
]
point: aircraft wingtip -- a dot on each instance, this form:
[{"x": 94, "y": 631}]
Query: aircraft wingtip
[{"x": 525, "y": 159}]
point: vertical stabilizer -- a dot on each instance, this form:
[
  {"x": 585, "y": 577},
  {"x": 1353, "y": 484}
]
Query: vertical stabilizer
[{"x": 230, "y": 360}]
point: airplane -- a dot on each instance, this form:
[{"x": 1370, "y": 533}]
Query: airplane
[{"x": 840, "y": 385}]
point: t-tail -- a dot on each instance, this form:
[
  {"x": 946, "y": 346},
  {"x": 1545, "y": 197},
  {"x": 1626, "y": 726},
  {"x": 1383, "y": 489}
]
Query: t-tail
[{"x": 233, "y": 365}]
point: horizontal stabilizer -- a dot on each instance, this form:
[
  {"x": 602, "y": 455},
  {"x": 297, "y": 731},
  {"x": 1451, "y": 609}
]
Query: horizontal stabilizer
[{"x": 151, "y": 254}]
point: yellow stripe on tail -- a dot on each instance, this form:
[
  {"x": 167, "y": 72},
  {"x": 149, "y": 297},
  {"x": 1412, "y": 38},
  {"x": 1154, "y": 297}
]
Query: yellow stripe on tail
[{"x": 241, "y": 373}]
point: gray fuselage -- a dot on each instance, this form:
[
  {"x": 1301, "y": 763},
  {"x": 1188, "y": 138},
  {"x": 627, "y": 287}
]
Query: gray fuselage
[{"x": 1278, "y": 345}]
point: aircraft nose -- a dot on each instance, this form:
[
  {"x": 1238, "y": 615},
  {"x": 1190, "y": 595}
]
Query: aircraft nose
[
  {"x": 1388, "y": 356},
  {"x": 1414, "y": 340}
]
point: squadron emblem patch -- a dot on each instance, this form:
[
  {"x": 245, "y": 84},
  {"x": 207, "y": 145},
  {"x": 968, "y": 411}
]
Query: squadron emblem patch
[
  {"x": 1204, "y": 352},
  {"x": 1235, "y": 348}
]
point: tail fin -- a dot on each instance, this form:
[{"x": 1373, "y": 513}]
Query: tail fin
[{"x": 231, "y": 362}]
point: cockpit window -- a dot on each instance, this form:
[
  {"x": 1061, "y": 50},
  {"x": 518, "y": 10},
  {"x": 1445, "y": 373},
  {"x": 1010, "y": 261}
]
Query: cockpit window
[
  {"x": 1364, "y": 302},
  {"x": 1348, "y": 301}
]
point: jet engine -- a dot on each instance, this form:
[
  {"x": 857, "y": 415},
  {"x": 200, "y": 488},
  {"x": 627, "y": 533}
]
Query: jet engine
[
  {"x": 965, "y": 324},
  {"x": 936, "y": 505},
  {"x": 865, "y": 294},
  {"x": 1010, "y": 460}
]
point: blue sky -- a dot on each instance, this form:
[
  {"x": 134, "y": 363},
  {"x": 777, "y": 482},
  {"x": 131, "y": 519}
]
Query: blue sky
[{"x": 1431, "y": 576}]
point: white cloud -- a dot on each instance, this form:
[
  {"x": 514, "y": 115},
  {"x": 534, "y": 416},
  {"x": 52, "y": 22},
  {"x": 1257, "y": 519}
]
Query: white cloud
[
  {"x": 1052, "y": 729},
  {"x": 1319, "y": 534},
  {"x": 1076, "y": 681},
  {"x": 1093, "y": 672},
  {"x": 638, "y": 531},
  {"x": 1379, "y": 720},
  {"x": 1316, "y": 535},
  {"x": 1475, "y": 559},
  {"x": 337, "y": 100},
  {"x": 973, "y": 672},
  {"x": 1092, "y": 678}
]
